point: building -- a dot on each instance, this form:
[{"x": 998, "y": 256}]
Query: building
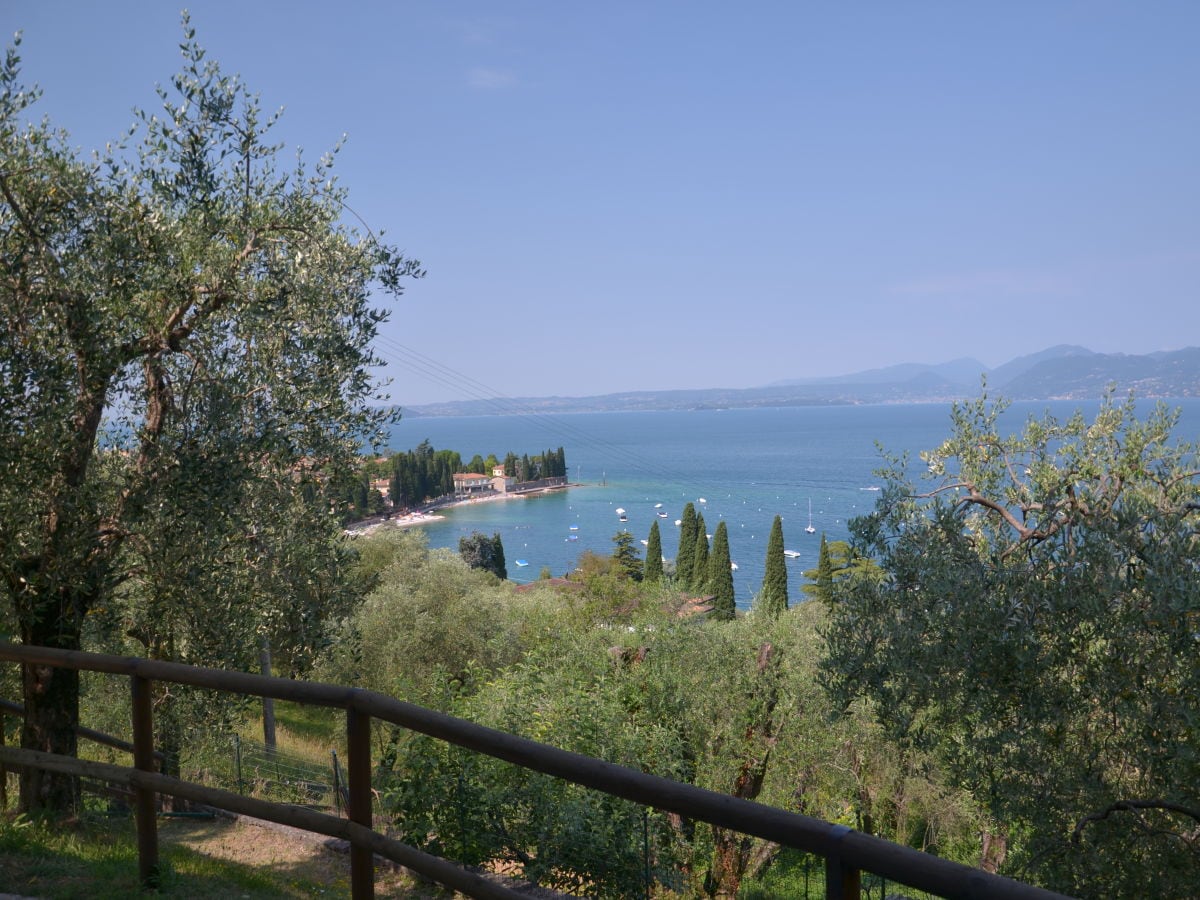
[{"x": 468, "y": 484}]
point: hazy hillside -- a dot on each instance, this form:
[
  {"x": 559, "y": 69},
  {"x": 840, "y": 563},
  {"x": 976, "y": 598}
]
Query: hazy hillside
[{"x": 1064, "y": 371}]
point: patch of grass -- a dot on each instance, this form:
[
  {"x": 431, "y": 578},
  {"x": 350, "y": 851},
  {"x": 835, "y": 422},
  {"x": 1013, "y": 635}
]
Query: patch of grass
[
  {"x": 97, "y": 858},
  {"x": 315, "y": 724}
]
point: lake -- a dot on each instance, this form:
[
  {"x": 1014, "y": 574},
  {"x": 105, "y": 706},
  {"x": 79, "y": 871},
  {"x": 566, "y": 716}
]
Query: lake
[{"x": 746, "y": 464}]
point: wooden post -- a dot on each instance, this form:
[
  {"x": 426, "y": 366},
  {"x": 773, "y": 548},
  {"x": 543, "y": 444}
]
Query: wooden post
[
  {"x": 143, "y": 759},
  {"x": 3, "y": 770},
  {"x": 358, "y": 761},
  {"x": 841, "y": 882},
  {"x": 264, "y": 658}
]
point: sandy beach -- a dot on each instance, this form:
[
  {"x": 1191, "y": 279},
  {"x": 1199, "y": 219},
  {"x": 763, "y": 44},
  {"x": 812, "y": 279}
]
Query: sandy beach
[{"x": 408, "y": 520}]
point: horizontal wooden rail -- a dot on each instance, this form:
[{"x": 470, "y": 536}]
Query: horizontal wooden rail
[
  {"x": 433, "y": 867},
  {"x": 844, "y": 849},
  {"x": 7, "y": 707}
]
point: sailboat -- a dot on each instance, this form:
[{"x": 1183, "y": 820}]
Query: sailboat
[{"x": 810, "y": 528}]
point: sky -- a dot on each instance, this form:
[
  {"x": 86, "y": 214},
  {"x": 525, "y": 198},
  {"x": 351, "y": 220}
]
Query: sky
[{"x": 647, "y": 195}]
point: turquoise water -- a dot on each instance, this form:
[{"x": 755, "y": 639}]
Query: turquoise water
[{"x": 747, "y": 464}]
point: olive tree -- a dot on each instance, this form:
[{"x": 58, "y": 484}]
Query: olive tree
[
  {"x": 1036, "y": 626},
  {"x": 183, "y": 325}
]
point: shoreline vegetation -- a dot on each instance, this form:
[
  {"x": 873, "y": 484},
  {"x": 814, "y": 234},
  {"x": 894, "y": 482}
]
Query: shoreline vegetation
[{"x": 427, "y": 514}]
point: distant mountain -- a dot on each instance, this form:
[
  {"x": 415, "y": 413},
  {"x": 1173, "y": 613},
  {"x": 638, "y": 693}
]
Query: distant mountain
[
  {"x": 1083, "y": 375},
  {"x": 1061, "y": 372},
  {"x": 957, "y": 371},
  {"x": 1012, "y": 369}
]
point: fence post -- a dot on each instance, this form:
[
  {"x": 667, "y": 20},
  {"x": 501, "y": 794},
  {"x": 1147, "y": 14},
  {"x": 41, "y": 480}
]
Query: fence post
[
  {"x": 143, "y": 760},
  {"x": 3, "y": 770},
  {"x": 841, "y": 881},
  {"x": 337, "y": 784},
  {"x": 358, "y": 809}
]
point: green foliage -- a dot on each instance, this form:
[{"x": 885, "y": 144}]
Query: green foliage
[
  {"x": 773, "y": 598},
  {"x": 700, "y": 554},
  {"x": 186, "y": 338},
  {"x": 626, "y": 556},
  {"x": 1036, "y": 629},
  {"x": 837, "y": 562},
  {"x": 430, "y": 621},
  {"x": 482, "y": 552},
  {"x": 654, "y": 559},
  {"x": 686, "y": 555},
  {"x": 720, "y": 575}
]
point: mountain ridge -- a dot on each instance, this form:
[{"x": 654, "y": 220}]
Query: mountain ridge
[{"x": 1061, "y": 372}]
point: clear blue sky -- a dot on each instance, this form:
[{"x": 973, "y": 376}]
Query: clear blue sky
[{"x": 640, "y": 195}]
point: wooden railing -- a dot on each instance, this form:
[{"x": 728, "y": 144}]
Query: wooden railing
[{"x": 847, "y": 853}]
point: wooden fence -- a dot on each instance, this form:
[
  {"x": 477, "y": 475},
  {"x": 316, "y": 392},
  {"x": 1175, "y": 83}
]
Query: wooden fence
[{"x": 847, "y": 853}]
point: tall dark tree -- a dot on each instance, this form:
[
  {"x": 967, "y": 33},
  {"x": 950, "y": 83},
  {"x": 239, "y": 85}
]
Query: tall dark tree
[
  {"x": 687, "y": 548},
  {"x": 654, "y": 562},
  {"x": 699, "y": 579},
  {"x": 720, "y": 575},
  {"x": 626, "y": 555},
  {"x": 773, "y": 598},
  {"x": 824, "y": 572},
  {"x": 482, "y": 552}
]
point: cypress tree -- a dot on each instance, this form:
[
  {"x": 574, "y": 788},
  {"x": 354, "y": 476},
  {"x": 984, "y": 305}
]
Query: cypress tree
[
  {"x": 653, "y": 565},
  {"x": 773, "y": 598},
  {"x": 687, "y": 548},
  {"x": 498, "y": 565},
  {"x": 699, "y": 579},
  {"x": 720, "y": 576},
  {"x": 824, "y": 572}
]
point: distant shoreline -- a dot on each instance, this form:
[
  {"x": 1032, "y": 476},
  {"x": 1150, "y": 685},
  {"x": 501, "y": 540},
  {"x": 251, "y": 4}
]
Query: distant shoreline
[{"x": 427, "y": 515}]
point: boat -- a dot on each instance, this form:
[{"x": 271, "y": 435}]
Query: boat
[
  {"x": 574, "y": 528},
  {"x": 810, "y": 528},
  {"x": 522, "y": 562},
  {"x": 678, "y": 522},
  {"x": 662, "y": 515},
  {"x": 620, "y": 511},
  {"x": 792, "y": 554},
  {"x": 645, "y": 543},
  {"x": 658, "y": 506},
  {"x": 622, "y": 518},
  {"x": 701, "y": 500},
  {"x": 873, "y": 487},
  {"x": 733, "y": 566},
  {"x": 572, "y": 537}
]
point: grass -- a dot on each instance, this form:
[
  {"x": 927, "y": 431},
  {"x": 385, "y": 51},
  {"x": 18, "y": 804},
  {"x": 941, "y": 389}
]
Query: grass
[{"x": 199, "y": 858}]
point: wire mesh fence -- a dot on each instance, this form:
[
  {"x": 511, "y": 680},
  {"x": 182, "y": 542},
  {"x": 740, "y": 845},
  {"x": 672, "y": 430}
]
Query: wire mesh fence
[{"x": 271, "y": 774}]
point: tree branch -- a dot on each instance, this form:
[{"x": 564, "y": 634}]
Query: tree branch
[{"x": 1131, "y": 806}]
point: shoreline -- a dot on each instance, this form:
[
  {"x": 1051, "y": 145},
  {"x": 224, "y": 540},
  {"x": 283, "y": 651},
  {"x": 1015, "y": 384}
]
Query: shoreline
[{"x": 425, "y": 516}]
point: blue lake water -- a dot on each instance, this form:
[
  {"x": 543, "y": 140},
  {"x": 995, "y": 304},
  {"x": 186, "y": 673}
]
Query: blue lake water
[{"x": 747, "y": 464}]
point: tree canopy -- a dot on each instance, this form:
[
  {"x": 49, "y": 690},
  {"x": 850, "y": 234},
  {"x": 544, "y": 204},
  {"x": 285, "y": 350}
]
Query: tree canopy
[
  {"x": 186, "y": 327},
  {"x": 1036, "y": 627}
]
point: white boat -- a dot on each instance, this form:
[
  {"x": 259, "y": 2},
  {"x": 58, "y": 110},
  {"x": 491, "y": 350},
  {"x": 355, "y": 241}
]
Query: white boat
[
  {"x": 521, "y": 562},
  {"x": 733, "y": 566},
  {"x": 658, "y": 506},
  {"x": 810, "y": 528},
  {"x": 620, "y": 512},
  {"x": 645, "y": 543},
  {"x": 678, "y": 522},
  {"x": 792, "y": 554},
  {"x": 622, "y": 518},
  {"x": 662, "y": 515},
  {"x": 701, "y": 500}
]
